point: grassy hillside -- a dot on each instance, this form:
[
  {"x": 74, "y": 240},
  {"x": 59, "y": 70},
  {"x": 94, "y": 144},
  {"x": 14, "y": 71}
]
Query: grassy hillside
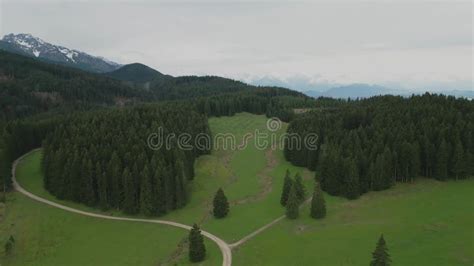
[
  {"x": 425, "y": 223},
  {"x": 49, "y": 236}
]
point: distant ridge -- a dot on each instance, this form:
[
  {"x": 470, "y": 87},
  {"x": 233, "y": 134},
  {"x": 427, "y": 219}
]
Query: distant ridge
[
  {"x": 361, "y": 90},
  {"x": 29, "y": 45},
  {"x": 135, "y": 72}
]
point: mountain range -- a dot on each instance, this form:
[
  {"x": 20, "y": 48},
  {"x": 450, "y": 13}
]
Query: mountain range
[
  {"x": 361, "y": 90},
  {"x": 316, "y": 87},
  {"x": 29, "y": 45}
]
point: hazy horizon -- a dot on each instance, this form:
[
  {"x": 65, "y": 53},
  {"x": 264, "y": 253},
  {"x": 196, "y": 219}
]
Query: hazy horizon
[{"x": 416, "y": 46}]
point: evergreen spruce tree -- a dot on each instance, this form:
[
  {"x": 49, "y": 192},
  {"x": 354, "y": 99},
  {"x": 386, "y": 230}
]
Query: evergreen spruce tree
[
  {"x": 299, "y": 187},
  {"x": 318, "y": 205},
  {"x": 441, "y": 165},
  {"x": 380, "y": 256},
  {"x": 221, "y": 205},
  {"x": 459, "y": 167},
  {"x": 9, "y": 245},
  {"x": 90, "y": 195},
  {"x": 292, "y": 205},
  {"x": 332, "y": 167},
  {"x": 147, "y": 203},
  {"x": 74, "y": 186},
  {"x": 160, "y": 196},
  {"x": 287, "y": 183},
  {"x": 469, "y": 167},
  {"x": 197, "y": 250},
  {"x": 167, "y": 187},
  {"x": 352, "y": 190},
  {"x": 101, "y": 187},
  {"x": 114, "y": 174},
  {"x": 180, "y": 182},
  {"x": 129, "y": 203},
  {"x": 415, "y": 163}
]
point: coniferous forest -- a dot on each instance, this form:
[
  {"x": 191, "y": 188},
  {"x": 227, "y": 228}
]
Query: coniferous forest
[
  {"x": 370, "y": 144},
  {"x": 36, "y": 96},
  {"x": 236, "y": 134},
  {"x": 102, "y": 159},
  {"x": 98, "y": 156}
]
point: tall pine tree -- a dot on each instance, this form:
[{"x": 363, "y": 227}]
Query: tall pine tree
[
  {"x": 287, "y": 183},
  {"x": 101, "y": 186},
  {"x": 380, "y": 256},
  {"x": 129, "y": 203},
  {"x": 197, "y": 250},
  {"x": 318, "y": 205},
  {"x": 221, "y": 205},
  {"x": 352, "y": 190},
  {"x": 459, "y": 167},
  {"x": 299, "y": 188},
  {"x": 292, "y": 205},
  {"x": 441, "y": 166},
  {"x": 89, "y": 190},
  {"x": 147, "y": 201}
]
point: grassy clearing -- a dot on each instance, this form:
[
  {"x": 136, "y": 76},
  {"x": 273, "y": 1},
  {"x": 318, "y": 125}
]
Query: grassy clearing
[
  {"x": 425, "y": 223},
  {"x": 49, "y": 236},
  {"x": 241, "y": 174}
]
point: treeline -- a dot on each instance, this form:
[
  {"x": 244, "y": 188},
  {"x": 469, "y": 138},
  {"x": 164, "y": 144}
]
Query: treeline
[
  {"x": 19, "y": 137},
  {"x": 29, "y": 87},
  {"x": 370, "y": 144},
  {"x": 102, "y": 158},
  {"x": 274, "y": 102}
]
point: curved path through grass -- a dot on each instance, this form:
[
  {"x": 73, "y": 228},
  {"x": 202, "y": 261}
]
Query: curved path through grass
[{"x": 223, "y": 246}]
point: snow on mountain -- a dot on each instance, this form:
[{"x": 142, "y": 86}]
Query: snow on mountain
[{"x": 30, "y": 45}]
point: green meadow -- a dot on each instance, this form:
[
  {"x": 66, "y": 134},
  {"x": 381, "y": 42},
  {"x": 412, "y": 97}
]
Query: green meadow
[
  {"x": 424, "y": 223},
  {"x": 49, "y": 236}
]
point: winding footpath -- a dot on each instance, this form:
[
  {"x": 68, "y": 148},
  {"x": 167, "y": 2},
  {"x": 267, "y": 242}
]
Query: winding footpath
[
  {"x": 263, "y": 228},
  {"x": 223, "y": 246}
]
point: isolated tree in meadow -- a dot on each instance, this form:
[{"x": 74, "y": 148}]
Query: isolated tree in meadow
[
  {"x": 292, "y": 205},
  {"x": 197, "y": 250},
  {"x": 221, "y": 205},
  {"x": 9, "y": 245},
  {"x": 380, "y": 256},
  {"x": 287, "y": 183},
  {"x": 299, "y": 187},
  {"x": 318, "y": 205}
]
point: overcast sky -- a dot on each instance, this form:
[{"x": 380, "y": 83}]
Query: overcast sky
[{"x": 414, "y": 45}]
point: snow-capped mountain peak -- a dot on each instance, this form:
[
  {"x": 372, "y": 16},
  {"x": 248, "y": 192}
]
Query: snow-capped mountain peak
[{"x": 30, "y": 45}]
